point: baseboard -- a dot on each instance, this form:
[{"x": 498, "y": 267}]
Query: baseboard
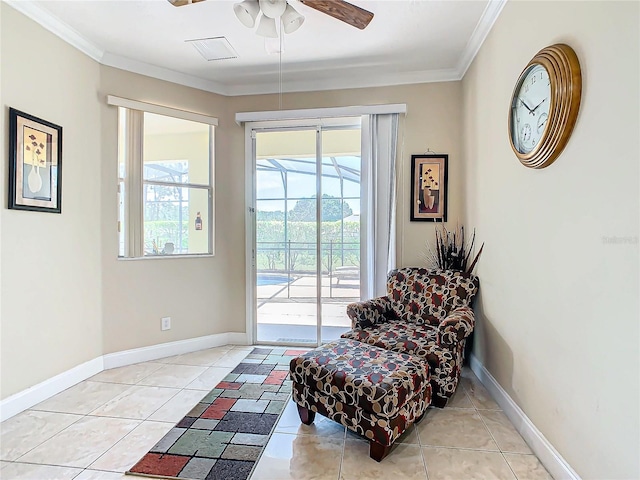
[
  {"x": 237, "y": 338},
  {"x": 546, "y": 453},
  {"x": 25, "y": 399},
  {"x": 162, "y": 350}
]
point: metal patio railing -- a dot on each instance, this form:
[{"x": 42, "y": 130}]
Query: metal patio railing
[{"x": 292, "y": 257}]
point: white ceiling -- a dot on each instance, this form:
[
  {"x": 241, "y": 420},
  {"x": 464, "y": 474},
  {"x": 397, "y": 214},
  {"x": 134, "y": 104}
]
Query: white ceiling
[{"x": 408, "y": 41}]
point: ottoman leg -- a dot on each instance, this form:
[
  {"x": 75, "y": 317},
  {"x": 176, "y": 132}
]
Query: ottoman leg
[
  {"x": 306, "y": 415},
  {"x": 378, "y": 451}
]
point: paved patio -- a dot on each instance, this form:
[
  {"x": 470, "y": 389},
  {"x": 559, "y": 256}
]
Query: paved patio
[{"x": 287, "y": 311}]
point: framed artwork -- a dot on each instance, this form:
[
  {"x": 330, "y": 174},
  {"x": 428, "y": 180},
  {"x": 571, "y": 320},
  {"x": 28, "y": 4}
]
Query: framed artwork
[
  {"x": 35, "y": 163},
  {"x": 429, "y": 187}
]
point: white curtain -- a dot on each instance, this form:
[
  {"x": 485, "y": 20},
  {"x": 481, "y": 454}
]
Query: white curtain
[{"x": 378, "y": 203}]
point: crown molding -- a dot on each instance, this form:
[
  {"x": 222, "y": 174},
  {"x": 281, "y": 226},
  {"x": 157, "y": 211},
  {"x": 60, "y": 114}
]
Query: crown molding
[
  {"x": 161, "y": 73},
  {"x": 75, "y": 39},
  {"x": 353, "y": 81},
  {"x": 57, "y": 27},
  {"x": 477, "y": 38}
]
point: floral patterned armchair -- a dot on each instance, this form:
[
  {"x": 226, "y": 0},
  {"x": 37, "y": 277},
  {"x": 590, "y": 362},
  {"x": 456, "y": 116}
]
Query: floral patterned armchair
[{"x": 426, "y": 313}]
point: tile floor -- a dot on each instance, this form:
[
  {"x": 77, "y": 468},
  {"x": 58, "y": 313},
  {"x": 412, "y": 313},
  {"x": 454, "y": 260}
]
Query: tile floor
[{"x": 99, "y": 428}]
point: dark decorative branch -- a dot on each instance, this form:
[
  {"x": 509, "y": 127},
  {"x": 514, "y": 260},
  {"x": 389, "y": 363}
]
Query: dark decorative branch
[
  {"x": 475, "y": 260},
  {"x": 452, "y": 251}
]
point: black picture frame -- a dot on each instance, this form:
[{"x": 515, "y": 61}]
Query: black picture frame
[
  {"x": 429, "y": 176},
  {"x": 35, "y": 163}
]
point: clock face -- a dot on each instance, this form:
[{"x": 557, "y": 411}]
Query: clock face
[{"x": 530, "y": 108}]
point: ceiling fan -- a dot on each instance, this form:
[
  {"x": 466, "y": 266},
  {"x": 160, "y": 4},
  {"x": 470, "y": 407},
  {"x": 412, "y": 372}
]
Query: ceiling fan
[
  {"x": 339, "y": 9},
  {"x": 344, "y": 11}
]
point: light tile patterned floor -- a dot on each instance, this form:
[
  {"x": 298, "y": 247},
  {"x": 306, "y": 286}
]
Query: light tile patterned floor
[{"x": 99, "y": 428}]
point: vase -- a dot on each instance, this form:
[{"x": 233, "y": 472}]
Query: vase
[{"x": 34, "y": 181}]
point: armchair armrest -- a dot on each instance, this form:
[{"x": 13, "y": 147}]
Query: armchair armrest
[
  {"x": 457, "y": 326},
  {"x": 370, "y": 312}
]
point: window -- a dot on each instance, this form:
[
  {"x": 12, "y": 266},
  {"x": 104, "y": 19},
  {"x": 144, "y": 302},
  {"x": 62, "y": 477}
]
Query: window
[{"x": 165, "y": 181}]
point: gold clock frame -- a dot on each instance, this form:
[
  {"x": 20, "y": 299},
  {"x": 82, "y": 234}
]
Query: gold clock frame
[{"x": 565, "y": 77}]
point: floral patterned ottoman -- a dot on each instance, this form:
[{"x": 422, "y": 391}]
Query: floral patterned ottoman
[{"x": 374, "y": 392}]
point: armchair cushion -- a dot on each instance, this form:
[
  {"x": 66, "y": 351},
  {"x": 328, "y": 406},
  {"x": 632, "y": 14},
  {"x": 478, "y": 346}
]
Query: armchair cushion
[
  {"x": 419, "y": 341},
  {"x": 398, "y": 336},
  {"x": 456, "y": 327},
  {"x": 425, "y": 296},
  {"x": 370, "y": 313}
]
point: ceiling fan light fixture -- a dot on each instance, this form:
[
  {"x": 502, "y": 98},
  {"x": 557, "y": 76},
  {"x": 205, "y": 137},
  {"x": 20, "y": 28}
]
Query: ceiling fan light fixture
[
  {"x": 291, "y": 19},
  {"x": 272, "y": 8},
  {"x": 247, "y": 12},
  {"x": 267, "y": 27}
]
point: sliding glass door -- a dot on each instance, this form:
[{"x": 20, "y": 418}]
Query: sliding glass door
[{"x": 306, "y": 232}]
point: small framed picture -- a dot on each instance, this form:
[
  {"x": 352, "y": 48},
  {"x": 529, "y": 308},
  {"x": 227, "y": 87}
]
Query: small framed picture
[
  {"x": 429, "y": 187},
  {"x": 35, "y": 163}
]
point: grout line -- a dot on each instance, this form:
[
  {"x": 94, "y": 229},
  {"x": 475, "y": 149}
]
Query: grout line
[
  {"x": 112, "y": 446},
  {"x": 448, "y": 447},
  {"x": 17, "y": 460},
  {"x": 109, "y": 383},
  {"x": 471, "y": 396},
  {"x": 495, "y": 441},
  {"x": 344, "y": 447},
  {"x": 422, "y": 447},
  {"x": 82, "y": 416},
  {"x": 46, "y": 465},
  {"x": 489, "y": 430},
  {"x": 509, "y": 465},
  {"x": 124, "y": 418},
  {"x": 424, "y": 460}
]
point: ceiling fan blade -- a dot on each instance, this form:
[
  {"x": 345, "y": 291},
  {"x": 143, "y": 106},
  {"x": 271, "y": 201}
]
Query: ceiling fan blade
[
  {"x": 180, "y": 3},
  {"x": 348, "y": 13}
]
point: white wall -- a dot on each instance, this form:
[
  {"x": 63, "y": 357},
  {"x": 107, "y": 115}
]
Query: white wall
[
  {"x": 558, "y": 324},
  {"x": 50, "y": 264}
]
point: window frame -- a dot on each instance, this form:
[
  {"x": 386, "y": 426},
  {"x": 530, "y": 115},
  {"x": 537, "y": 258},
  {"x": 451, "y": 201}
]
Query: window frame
[{"x": 134, "y": 183}]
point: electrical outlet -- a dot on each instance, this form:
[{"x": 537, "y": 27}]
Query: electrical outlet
[{"x": 165, "y": 323}]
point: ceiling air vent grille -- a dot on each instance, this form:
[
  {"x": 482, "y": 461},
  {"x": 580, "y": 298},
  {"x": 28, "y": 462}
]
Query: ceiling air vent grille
[{"x": 216, "y": 48}]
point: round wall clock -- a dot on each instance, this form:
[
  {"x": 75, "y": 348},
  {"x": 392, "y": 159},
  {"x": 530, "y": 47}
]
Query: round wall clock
[{"x": 545, "y": 105}]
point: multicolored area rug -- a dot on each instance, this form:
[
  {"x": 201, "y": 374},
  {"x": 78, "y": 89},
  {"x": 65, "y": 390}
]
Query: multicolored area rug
[{"x": 223, "y": 436}]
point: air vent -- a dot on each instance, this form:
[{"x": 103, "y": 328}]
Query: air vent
[{"x": 216, "y": 48}]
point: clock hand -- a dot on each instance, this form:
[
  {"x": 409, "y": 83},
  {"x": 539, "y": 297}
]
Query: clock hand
[
  {"x": 525, "y": 105},
  {"x": 536, "y": 107}
]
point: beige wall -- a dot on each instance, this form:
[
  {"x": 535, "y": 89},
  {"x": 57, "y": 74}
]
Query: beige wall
[
  {"x": 50, "y": 277},
  {"x": 558, "y": 324},
  {"x": 203, "y": 296}
]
